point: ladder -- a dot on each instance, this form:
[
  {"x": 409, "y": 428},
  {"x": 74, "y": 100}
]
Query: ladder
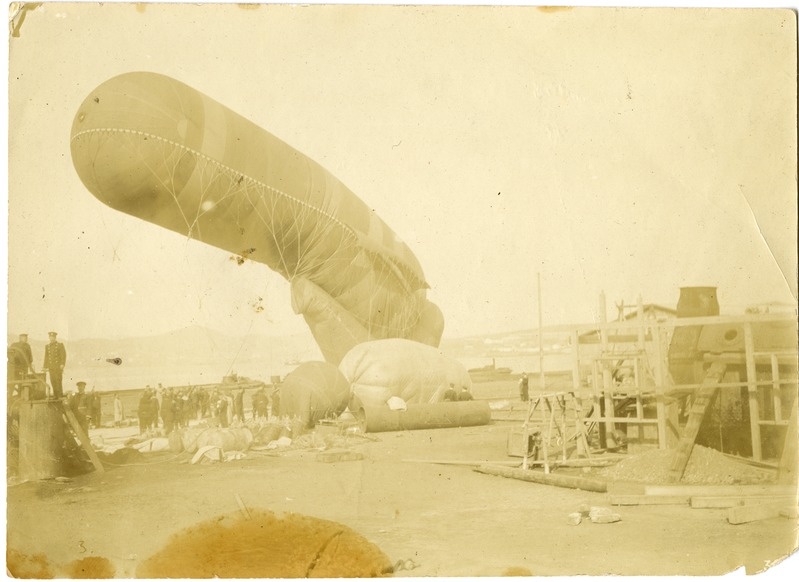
[
  {"x": 83, "y": 438},
  {"x": 704, "y": 397}
]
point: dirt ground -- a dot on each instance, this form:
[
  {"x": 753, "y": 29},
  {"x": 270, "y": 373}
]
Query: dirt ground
[{"x": 434, "y": 519}]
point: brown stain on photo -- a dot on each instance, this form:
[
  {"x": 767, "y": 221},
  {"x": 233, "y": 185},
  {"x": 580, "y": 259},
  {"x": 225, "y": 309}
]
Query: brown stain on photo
[
  {"x": 21, "y": 565},
  {"x": 93, "y": 567},
  {"x": 552, "y": 9},
  {"x": 267, "y": 546},
  {"x": 517, "y": 571}
]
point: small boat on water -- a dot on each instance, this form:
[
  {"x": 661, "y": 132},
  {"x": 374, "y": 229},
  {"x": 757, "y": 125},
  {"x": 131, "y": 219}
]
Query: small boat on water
[{"x": 489, "y": 372}]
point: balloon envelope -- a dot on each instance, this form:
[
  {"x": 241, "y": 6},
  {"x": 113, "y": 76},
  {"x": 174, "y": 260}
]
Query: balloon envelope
[
  {"x": 155, "y": 148},
  {"x": 313, "y": 391},
  {"x": 417, "y": 373}
]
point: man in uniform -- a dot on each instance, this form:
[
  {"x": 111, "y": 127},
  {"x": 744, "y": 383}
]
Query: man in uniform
[
  {"x": 524, "y": 388},
  {"x": 80, "y": 407},
  {"x": 22, "y": 357},
  {"x": 450, "y": 395},
  {"x": 55, "y": 358},
  {"x": 465, "y": 395}
]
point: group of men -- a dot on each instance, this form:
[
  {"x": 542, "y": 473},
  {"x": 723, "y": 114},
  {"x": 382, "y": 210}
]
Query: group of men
[
  {"x": 20, "y": 361},
  {"x": 450, "y": 395},
  {"x": 176, "y": 407}
]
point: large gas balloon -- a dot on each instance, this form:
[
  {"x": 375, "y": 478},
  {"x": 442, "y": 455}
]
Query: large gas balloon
[{"x": 155, "y": 148}]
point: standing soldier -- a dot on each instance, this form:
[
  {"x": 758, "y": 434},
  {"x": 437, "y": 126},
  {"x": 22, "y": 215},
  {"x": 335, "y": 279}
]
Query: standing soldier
[
  {"x": 80, "y": 406},
  {"x": 524, "y": 388},
  {"x": 55, "y": 358},
  {"x": 238, "y": 404},
  {"x": 23, "y": 358},
  {"x": 119, "y": 411}
]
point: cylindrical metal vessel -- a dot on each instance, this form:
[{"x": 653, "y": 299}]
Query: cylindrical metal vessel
[
  {"x": 697, "y": 302},
  {"x": 685, "y": 365},
  {"x": 41, "y": 439},
  {"x": 421, "y": 416}
]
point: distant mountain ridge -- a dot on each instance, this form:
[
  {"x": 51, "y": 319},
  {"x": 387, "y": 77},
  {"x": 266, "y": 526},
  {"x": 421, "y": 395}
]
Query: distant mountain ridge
[
  {"x": 186, "y": 346},
  {"x": 199, "y": 346}
]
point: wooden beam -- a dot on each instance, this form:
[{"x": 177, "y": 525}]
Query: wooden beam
[
  {"x": 790, "y": 452},
  {"x": 607, "y": 380},
  {"x": 544, "y": 479},
  {"x": 650, "y": 500},
  {"x": 632, "y": 326},
  {"x": 84, "y": 440},
  {"x": 727, "y": 501},
  {"x": 719, "y": 490},
  {"x": 660, "y": 387},
  {"x": 749, "y": 513},
  {"x": 576, "y": 380},
  {"x": 751, "y": 380},
  {"x": 775, "y": 388},
  {"x": 463, "y": 463}
]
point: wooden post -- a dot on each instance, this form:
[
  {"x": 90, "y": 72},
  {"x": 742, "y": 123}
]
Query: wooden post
[
  {"x": 788, "y": 459},
  {"x": 776, "y": 392},
  {"x": 751, "y": 382},
  {"x": 526, "y": 433},
  {"x": 607, "y": 380},
  {"x": 660, "y": 380},
  {"x": 575, "y": 339},
  {"x": 582, "y": 440},
  {"x": 548, "y": 437},
  {"x": 540, "y": 339},
  {"x": 562, "y": 403}
]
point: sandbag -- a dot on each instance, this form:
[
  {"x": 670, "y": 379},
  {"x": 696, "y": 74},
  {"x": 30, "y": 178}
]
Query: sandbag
[
  {"x": 415, "y": 372},
  {"x": 313, "y": 391},
  {"x": 227, "y": 439}
]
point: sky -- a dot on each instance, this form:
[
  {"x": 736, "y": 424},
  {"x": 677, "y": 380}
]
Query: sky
[{"x": 630, "y": 151}]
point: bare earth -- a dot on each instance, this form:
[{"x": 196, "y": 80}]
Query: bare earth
[{"x": 440, "y": 520}]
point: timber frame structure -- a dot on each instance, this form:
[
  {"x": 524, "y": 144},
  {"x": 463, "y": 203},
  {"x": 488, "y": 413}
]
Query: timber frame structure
[{"x": 628, "y": 362}]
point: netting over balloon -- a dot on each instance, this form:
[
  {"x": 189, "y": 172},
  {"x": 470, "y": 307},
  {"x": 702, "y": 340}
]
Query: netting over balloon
[{"x": 157, "y": 149}]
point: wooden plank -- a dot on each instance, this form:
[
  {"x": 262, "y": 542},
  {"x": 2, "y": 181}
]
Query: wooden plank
[
  {"x": 84, "y": 440},
  {"x": 750, "y": 513},
  {"x": 726, "y": 501},
  {"x": 650, "y": 500},
  {"x": 607, "y": 380},
  {"x": 775, "y": 388},
  {"x": 754, "y": 404},
  {"x": 463, "y": 463},
  {"x": 575, "y": 361},
  {"x": 545, "y": 479},
  {"x": 698, "y": 409},
  {"x": 720, "y": 490},
  {"x": 790, "y": 451},
  {"x": 592, "y": 462},
  {"x": 660, "y": 381},
  {"x": 625, "y": 488}
]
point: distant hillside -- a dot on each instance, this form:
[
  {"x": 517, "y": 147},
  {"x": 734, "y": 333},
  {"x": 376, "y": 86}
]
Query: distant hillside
[
  {"x": 521, "y": 342},
  {"x": 197, "y": 346},
  {"x": 189, "y": 346}
]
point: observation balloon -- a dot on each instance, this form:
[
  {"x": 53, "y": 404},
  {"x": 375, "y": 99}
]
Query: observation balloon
[{"x": 155, "y": 148}]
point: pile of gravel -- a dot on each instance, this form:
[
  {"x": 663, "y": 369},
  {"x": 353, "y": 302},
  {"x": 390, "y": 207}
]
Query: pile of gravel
[{"x": 705, "y": 467}]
